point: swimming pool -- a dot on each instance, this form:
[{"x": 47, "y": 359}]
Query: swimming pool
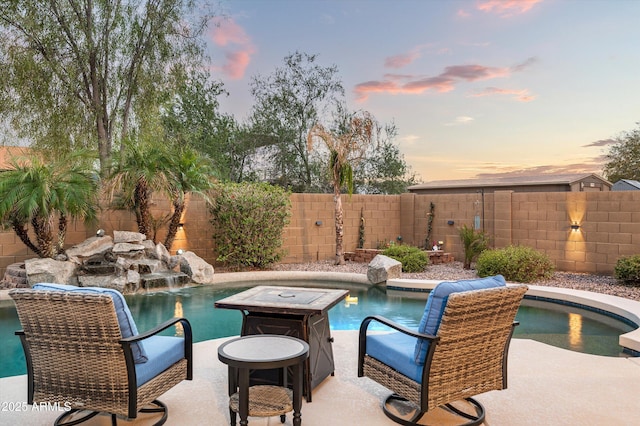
[{"x": 558, "y": 325}]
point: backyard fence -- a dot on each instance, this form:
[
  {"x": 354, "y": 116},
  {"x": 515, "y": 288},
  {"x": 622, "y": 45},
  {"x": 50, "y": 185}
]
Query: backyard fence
[{"x": 579, "y": 231}]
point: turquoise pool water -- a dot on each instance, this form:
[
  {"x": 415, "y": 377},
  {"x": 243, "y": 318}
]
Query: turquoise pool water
[{"x": 563, "y": 326}]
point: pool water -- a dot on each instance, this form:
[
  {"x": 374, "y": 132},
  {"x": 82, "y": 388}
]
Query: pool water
[{"x": 558, "y": 325}]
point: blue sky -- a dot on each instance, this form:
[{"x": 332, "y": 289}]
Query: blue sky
[{"x": 475, "y": 87}]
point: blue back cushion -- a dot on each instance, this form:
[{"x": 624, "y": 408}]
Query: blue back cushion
[
  {"x": 125, "y": 319},
  {"x": 438, "y": 300}
]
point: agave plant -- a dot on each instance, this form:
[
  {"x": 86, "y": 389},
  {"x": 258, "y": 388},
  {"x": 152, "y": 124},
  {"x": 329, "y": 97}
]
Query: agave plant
[{"x": 474, "y": 242}]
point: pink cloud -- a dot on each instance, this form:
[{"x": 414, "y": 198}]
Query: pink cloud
[
  {"x": 444, "y": 82},
  {"x": 236, "y": 64},
  {"x": 474, "y": 72},
  {"x": 506, "y": 8},
  {"x": 227, "y": 31},
  {"x": 238, "y": 47},
  {"x": 521, "y": 95},
  {"x": 399, "y": 61}
]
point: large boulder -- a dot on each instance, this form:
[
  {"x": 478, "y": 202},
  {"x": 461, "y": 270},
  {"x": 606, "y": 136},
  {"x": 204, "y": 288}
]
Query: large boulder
[
  {"x": 382, "y": 268},
  {"x": 89, "y": 248},
  {"x": 50, "y": 271},
  {"x": 200, "y": 271},
  {"x": 128, "y": 237}
]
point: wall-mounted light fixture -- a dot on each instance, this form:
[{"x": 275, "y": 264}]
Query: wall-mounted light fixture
[
  {"x": 100, "y": 233},
  {"x": 180, "y": 226},
  {"x": 318, "y": 223},
  {"x": 575, "y": 226},
  {"x": 440, "y": 243},
  {"x": 399, "y": 238},
  {"x": 180, "y": 252},
  {"x": 450, "y": 222}
]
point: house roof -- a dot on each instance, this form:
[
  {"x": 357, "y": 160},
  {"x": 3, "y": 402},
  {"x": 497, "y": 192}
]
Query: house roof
[
  {"x": 514, "y": 180},
  {"x": 630, "y": 182}
]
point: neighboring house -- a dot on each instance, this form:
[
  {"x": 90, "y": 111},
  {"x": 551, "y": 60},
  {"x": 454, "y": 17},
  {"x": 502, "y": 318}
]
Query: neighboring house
[
  {"x": 626, "y": 185},
  {"x": 537, "y": 183}
]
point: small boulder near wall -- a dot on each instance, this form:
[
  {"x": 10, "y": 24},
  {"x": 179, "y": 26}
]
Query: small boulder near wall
[
  {"x": 382, "y": 268},
  {"x": 200, "y": 271}
]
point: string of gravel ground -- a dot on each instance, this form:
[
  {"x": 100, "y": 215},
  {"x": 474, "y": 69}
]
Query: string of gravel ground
[{"x": 605, "y": 284}]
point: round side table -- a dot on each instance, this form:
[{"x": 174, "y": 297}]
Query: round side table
[{"x": 263, "y": 352}]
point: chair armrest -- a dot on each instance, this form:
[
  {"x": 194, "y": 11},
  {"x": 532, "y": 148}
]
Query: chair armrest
[
  {"x": 128, "y": 355},
  {"x": 399, "y": 327},
  {"x": 362, "y": 336},
  {"x": 185, "y": 325}
]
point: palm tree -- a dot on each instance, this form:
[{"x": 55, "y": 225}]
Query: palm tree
[
  {"x": 347, "y": 146},
  {"x": 170, "y": 171},
  {"x": 34, "y": 191},
  {"x": 188, "y": 173},
  {"x": 135, "y": 177}
]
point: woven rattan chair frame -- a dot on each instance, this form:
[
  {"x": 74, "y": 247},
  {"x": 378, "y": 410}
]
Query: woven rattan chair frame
[
  {"x": 76, "y": 355},
  {"x": 467, "y": 357}
]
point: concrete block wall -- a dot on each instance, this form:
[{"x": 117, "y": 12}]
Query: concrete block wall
[
  {"x": 609, "y": 225},
  {"x": 310, "y": 235}
]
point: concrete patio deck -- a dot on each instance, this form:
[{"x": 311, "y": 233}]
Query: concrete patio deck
[{"x": 547, "y": 386}]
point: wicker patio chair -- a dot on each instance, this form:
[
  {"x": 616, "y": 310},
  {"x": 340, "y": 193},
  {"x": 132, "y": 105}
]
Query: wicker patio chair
[
  {"x": 460, "y": 350},
  {"x": 84, "y": 354}
]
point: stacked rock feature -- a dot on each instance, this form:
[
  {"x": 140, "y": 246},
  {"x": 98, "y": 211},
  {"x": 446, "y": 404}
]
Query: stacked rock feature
[{"x": 127, "y": 262}]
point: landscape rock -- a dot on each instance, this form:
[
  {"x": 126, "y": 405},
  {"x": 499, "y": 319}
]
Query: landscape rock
[
  {"x": 88, "y": 248},
  {"x": 50, "y": 271},
  {"x": 194, "y": 266},
  {"x": 382, "y": 268},
  {"x": 128, "y": 237}
]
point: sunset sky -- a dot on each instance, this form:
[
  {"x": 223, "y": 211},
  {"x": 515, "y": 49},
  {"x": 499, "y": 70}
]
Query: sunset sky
[{"x": 475, "y": 87}]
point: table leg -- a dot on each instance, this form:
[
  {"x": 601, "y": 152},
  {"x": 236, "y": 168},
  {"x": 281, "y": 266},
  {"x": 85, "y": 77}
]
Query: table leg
[
  {"x": 297, "y": 394},
  {"x": 243, "y": 395},
  {"x": 233, "y": 387}
]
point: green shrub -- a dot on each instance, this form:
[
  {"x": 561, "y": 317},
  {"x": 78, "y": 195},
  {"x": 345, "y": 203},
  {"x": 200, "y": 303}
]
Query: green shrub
[
  {"x": 412, "y": 258},
  {"x": 248, "y": 221},
  {"x": 473, "y": 242},
  {"x": 515, "y": 263},
  {"x": 627, "y": 269}
]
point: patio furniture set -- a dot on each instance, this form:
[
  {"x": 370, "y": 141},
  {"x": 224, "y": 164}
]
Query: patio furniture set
[{"x": 83, "y": 349}]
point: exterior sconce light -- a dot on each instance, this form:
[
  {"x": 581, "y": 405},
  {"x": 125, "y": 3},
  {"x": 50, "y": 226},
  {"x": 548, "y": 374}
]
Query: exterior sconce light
[
  {"x": 181, "y": 226},
  {"x": 440, "y": 243},
  {"x": 100, "y": 233},
  {"x": 575, "y": 226},
  {"x": 180, "y": 252},
  {"x": 318, "y": 223},
  {"x": 450, "y": 222},
  {"x": 399, "y": 238}
]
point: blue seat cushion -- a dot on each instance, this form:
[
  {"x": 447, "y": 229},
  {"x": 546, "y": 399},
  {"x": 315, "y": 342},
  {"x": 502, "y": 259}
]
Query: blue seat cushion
[
  {"x": 163, "y": 352},
  {"x": 125, "y": 319},
  {"x": 436, "y": 304},
  {"x": 395, "y": 349}
]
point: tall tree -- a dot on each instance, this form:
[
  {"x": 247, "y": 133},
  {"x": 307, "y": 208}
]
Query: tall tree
[
  {"x": 85, "y": 71},
  {"x": 384, "y": 169},
  {"x": 347, "y": 146},
  {"x": 41, "y": 188},
  {"x": 623, "y": 158},
  {"x": 287, "y": 104}
]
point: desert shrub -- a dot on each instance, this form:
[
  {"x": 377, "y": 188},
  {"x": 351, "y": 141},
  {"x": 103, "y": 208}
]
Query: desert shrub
[
  {"x": 248, "y": 220},
  {"x": 627, "y": 269},
  {"x": 412, "y": 258},
  {"x": 515, "y": 263},
  {"x": 473, "y": 242}
]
